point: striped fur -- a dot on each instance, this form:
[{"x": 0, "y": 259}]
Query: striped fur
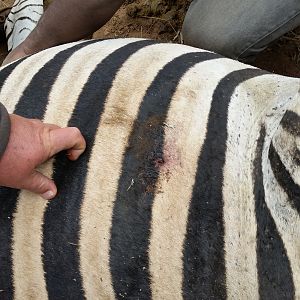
[
  {"x": 21, "y": 20},
  {"x": 188, "y": 189}
]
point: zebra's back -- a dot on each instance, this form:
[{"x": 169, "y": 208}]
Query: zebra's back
[{"x": 176, "y": 195}]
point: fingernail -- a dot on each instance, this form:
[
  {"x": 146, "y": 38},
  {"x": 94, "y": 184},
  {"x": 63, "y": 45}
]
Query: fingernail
[{"x": 48, "y": 195}]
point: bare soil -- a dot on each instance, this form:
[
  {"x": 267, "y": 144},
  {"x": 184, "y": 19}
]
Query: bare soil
[{"x": 162, "y": 20}]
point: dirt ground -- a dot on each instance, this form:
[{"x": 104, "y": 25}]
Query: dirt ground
[{"x": 162, "y": 20}]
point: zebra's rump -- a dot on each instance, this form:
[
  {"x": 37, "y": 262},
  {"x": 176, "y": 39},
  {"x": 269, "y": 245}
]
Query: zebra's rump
[{"x": 177, "y": 195}]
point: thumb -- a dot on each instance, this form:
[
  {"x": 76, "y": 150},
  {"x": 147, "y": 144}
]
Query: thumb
[{"x": 40, "y": 184}]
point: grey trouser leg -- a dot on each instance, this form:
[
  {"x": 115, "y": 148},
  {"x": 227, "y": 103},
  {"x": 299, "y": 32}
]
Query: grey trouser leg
[{"x": 239, "y": 28}]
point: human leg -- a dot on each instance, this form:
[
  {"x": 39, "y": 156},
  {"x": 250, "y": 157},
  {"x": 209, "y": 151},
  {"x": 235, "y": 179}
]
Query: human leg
[
  {"x": 239, "y": 29},
  {"x": 66, "y": 21}
]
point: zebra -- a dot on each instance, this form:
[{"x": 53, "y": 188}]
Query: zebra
[
  {"x": 188, "y": 189},
  {"x": 22, "y": 19}
]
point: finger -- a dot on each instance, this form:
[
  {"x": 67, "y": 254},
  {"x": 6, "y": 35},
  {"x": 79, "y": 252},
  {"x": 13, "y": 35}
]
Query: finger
[
  {"x": 40, "y": 184},
  {"x": 69, "y": 139}
]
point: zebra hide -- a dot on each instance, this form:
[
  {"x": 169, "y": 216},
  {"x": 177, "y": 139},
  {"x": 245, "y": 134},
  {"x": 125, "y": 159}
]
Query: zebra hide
[
  {"x": 188, "y": 189},
  {"x": 21, "y": 20}
]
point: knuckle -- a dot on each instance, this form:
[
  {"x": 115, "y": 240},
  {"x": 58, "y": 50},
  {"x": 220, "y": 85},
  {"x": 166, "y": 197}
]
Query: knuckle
[
  {"x": 36, "y": 122},
  {"x": 36, "y": 183},
  {"x": 40, "y": 183},
  {"x": 76, "y": 132}
]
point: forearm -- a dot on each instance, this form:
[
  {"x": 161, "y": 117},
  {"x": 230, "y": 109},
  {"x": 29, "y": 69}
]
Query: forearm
[
  {"x": 69, "y": 20},
  {"x": 4, "y": 129}
]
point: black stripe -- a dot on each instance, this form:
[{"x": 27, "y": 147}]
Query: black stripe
[
  {"x": 204, "y": 261},
  {"x": 29, "y": 5},
  {"x": 37, "y": 12},
  {"x": 296, "y": 156},
  {"x": 291, "y": 122},
  {"x": 8, "y": 198},
  {"x": 274, "y": 271},
  {"x": 24, "y": 28},
  {"x": 131, "y": 220},
  {"x": 284, "y": 178},
  {"x": 19, "y": 19},
  {"x": 32, "y": 104},
  {"x": 61, "y": 227}
]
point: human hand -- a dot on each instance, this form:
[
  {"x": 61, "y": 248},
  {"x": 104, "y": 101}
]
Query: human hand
[{"x": 31, "y": 143}]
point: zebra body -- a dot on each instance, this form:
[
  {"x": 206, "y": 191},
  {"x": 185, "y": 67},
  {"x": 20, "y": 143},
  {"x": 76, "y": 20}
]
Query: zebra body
[{"x": 188, "y": 188}]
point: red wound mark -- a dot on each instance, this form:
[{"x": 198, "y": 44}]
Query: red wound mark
[
  {"x": 165, "y": 164},
  {"x": 158, "y": 162}
]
